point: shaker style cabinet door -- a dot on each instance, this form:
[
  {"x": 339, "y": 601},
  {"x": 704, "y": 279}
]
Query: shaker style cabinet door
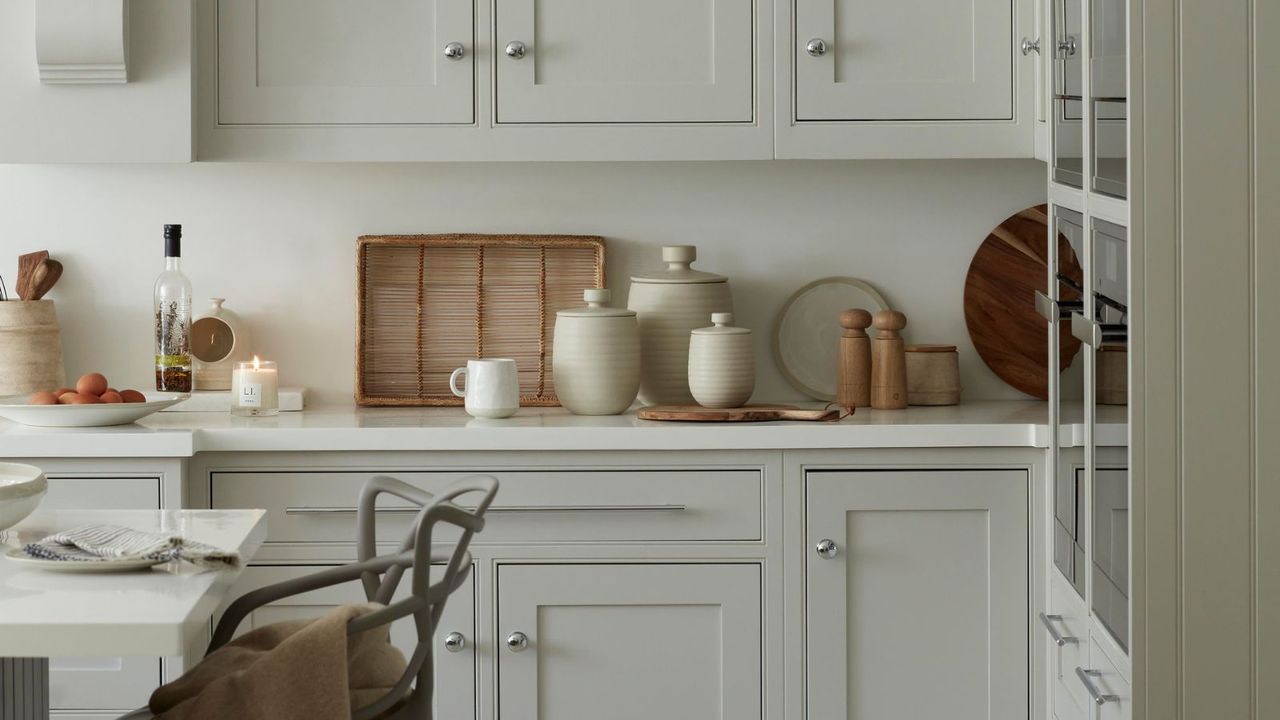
[
  {"x": 629, "y": 642},
  {"x": 624, "y": 61},
  {"x": 892, "y": 60},
  {"x": 336, "y": 62},
  {"x": 916, "y": 595}
]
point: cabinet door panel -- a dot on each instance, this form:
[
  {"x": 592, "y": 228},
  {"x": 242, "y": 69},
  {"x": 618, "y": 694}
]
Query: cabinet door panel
[
  {"x": 630, "y": 642},
  {"x": 622, "y": 61},
  {"x": 322, "y": 62},
  {"x": 928, "y": 589},
  {"x": 905, "y": 60},
  {"x": 455, "y": 672}
]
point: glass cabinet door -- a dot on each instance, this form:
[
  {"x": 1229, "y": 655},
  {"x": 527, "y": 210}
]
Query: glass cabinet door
[
  {"x": 1108, "y": 94},
  {"x": 1068, "y": 292},
  {"x": 1068, "y": 93}
]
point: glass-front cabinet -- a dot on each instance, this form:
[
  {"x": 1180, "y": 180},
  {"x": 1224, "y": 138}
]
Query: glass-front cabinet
[
  {"x": 1108, "y": 96},
  {"x": 1068, "y": 93}
]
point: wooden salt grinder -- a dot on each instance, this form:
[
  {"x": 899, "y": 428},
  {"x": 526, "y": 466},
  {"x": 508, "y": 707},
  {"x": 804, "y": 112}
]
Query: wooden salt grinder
[
  {"x": 888, "y": 362},
  {"x": 853, "y": 385}
]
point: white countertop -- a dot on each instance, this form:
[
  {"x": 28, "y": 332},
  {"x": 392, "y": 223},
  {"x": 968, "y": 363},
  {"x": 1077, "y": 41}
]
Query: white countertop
[
  {"x": 151, "y": 612},
  {"x": 347, "y": 428}
]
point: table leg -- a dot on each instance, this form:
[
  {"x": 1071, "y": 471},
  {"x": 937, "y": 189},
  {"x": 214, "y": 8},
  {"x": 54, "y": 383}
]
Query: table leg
[{"x": 24, "y": 688}]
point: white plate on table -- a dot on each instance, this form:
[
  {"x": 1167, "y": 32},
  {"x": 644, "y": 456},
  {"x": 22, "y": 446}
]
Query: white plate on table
[
  {"x": 15, "y": 408},
  {"x": 20, "y": 556}
]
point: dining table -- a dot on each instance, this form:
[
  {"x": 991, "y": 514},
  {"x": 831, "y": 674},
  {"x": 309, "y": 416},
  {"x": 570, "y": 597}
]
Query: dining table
[{"x": 160, "y": 611}]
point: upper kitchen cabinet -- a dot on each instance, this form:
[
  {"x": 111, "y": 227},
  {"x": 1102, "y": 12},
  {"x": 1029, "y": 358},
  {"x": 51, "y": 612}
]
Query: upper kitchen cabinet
[
  {"x": 466, "y": 80},
  {"x": 82, "y": 111},
  {"x": 334, "y": 62},
  {"x": 621, "y": 61},
  {"x": 893, "y": 79}
]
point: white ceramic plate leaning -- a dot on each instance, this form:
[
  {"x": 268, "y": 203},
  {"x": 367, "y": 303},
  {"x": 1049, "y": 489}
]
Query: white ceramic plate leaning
[
  {"x": 806, "y": 336},
  {"x": 15, "y": 408},
  {"x": 20, "y": 556}
]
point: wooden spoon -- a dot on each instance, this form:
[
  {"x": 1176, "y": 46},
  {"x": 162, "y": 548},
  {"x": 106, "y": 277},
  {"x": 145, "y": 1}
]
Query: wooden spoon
[
  {"x": 44, "y": 278},
  {"x": 27, "y": 265}
]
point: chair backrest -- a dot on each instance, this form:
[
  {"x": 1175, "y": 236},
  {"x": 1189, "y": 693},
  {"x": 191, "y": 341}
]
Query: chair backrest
[{"x": 427, "y": 600}]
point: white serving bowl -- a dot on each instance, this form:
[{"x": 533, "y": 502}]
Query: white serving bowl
[
  {"x": 15, "y": 408},
  {"x": 22, "y": 487}
]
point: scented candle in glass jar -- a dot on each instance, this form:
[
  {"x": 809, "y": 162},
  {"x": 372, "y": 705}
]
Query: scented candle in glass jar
[{"x": 255, "y": 388}]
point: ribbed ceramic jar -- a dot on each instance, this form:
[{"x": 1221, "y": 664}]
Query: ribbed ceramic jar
[
  {"x": 722, "y": 364},
  {"x": 669, "y": 305},
  {"x": 30, "y": 347},
  {"x": 595, "y": 358}
]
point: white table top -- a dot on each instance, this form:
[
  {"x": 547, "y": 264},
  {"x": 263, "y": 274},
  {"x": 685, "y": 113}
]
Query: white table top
[{"x": 151, "y": 612}]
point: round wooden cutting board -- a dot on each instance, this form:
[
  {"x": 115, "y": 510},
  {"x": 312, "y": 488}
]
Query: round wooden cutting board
[{"x": 999, "y": 301}]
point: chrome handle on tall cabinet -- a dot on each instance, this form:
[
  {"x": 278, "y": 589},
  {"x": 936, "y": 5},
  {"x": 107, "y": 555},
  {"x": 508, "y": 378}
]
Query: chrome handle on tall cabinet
[
  {"x": 816, "y": 47},
  {"x": 1029, "y": 46},
  {"x": 455, "y": 51},
  {"x": 515, "y": 49},
  {"x": 827, "y": 548},
  {"x": 455, "y": 642},
  {"x": 1047, "y": 307},
  {"x": 1058, "y": 638},
  {"x": 1099, "y": 697},
  {"x": 1085, "y": 330},
  {"x": 517, "y": 641}
]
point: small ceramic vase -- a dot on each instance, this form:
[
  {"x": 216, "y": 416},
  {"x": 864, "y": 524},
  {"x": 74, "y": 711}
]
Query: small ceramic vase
[
  {"x": 722, "y": 364},
  {"x": 669, "y": 304},
  {"x": 933, "y": 375},
  {"x": 595, "y": 358}
]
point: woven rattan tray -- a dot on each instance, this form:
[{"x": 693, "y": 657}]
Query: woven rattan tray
[{"x": 428, "y": 303}]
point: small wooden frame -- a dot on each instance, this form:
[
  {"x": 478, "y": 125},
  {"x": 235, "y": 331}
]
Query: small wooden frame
[{"x": 425, "y": 304}]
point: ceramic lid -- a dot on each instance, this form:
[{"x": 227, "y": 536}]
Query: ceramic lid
[
  {"x": 597, "y": 301},
  {"x": 678, "y": 259},
  {"x": 722, "y": 325}
]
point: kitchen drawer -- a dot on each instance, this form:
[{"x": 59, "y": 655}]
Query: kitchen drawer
[
  {"x": 531, "y": 507},
  {"x": 1068, "y": 617},
  {"x": 101, "y": 493},
  {"x": 1110, "y": 684}
]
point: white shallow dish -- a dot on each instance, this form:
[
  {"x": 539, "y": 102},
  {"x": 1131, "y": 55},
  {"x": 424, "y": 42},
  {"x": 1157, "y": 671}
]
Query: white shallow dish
[
  {"x": 20, "y": 556},
  {"x": 806, "y": 338},
  {"x": 15, "y": 408}
]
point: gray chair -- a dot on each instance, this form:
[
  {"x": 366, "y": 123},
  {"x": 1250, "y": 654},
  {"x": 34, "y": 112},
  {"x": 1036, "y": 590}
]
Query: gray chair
[{"x": 380, "y": 576}]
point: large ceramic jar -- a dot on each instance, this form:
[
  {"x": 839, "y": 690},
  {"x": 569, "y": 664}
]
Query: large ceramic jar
[
  {"x": 669, "y": 305},
  {"x": 595, "y": 358},
  {"x": 722, "y": 364}
]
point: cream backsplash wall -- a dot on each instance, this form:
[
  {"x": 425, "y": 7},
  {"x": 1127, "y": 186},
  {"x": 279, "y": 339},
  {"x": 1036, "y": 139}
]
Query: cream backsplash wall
[{"x": 278, "y": 241}]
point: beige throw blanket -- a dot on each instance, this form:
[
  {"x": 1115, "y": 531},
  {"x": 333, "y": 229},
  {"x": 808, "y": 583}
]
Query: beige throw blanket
[{"x": 305, "y": 669}]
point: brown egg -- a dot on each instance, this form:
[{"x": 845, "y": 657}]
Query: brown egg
[
  {"x": 43, "y": 398},
  {"x": 85, "y": 399},
  {"x": 111, "y": 396},
  {"x": 66, "y": 397},
  {"x": 110, "y": 389},
  {"x": 132, "y": 396},
  {"x": 93, "y": 384},
  {"x": 63, "y": 391}
]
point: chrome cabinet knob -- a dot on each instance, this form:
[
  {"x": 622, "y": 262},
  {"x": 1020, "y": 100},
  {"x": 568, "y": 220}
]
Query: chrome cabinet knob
[
  {"x": 1029, "y": 46},
  {"x": 1067, "y": 46},
  {"x": 517, "y": 641},
  {"x": 827, "y": 548},
  {"x": 816, "y": 47},
  {"x": 455, "y": 51},
  {"x": 515, "y": 49},
  {"x": 455, "y": 642}
]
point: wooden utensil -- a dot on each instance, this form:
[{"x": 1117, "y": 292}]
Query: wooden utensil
[
  {"x": 44, "y": 278},
  {"x": 749, "y": 413},
  {"x": 889, "y": 362},
  {"x": 999, "y": 301},
  {"x": 853, "y": 385},
  {"x": 27, "y": 265}
]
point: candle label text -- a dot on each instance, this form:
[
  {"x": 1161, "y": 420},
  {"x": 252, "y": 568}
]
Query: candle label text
[{"x": 251, "y": 395}]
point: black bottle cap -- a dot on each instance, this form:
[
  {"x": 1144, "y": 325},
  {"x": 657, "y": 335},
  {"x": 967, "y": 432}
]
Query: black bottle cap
[{"x": 173, "y": 241}]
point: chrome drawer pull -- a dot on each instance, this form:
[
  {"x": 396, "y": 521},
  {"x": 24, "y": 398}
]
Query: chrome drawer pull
[
  {"x": 495, "y": 509},
  {"x": 1058, "y": 638},
  {"x": 1099, "y": 698}
]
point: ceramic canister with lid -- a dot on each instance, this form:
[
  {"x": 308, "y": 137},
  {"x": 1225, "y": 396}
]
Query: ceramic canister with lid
[
  {"x": 722, "y": 364},
  {"x": 669, "y": 304},
  {"x": 595, "y": 359}
]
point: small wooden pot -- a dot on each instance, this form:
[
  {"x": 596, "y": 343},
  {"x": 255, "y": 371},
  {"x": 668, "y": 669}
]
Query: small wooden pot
[
  {"x": 30, "y": 347},
  {"x": 933, "y": 375}
]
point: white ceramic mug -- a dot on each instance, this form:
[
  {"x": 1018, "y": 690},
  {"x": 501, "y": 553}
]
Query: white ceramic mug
[{"x": 492, "y": 389}]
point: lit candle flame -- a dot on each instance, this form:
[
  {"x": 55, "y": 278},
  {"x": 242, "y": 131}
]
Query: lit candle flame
[{"x": 255, "y": 363}]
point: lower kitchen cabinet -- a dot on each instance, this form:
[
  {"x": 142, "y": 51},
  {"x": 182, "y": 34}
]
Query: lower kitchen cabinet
[
  {"x": 629, "y": 641},
  {"x": 455, "y": 668},
  {"x": 917, "y": 594}
]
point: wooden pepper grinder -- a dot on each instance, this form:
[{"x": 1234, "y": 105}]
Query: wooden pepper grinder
[
  {"x": 888, "y": 362},
  {"x": 853, "y": 386}
]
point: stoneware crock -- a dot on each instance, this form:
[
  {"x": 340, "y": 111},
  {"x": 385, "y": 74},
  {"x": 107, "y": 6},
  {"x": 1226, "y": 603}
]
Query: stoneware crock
[
  {"x": 596, "y": 357},
  {"x": 722, "y": 364}
]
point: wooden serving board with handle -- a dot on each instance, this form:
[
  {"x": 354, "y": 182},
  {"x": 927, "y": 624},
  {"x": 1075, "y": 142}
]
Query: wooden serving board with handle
[{"x": 749, "y": 413}]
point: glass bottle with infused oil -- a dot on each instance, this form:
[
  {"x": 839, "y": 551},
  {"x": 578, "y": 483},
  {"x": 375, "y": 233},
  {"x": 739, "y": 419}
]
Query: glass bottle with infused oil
[{"x": 173, "y": 318}]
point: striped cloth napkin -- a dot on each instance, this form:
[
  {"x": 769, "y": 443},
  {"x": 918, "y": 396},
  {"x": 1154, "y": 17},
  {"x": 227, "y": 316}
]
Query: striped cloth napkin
[{"x": 98, "y": 543}]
